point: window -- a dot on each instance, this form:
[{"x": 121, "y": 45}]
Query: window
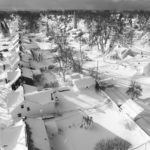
[
  {"x": 22, "y": 106},
  {"x": 19, "y": 115},
  {"x": 28, "y": 109}
]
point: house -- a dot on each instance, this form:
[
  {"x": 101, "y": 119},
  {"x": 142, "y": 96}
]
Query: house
[
  {"x": 127, "y": 53},
  {"x": 35, "y": 104},
  {"x": 27, "y": 76},
  {"x": 14, "y": 46},
  {"x": 14, "y": 40},
  {"x": 146, "y": 70},
  {"x": 14, "y": 99},
  {"x": 5, "y": 29},
  {"x": 21, "y": 81},
  {"x": 5, "y": 117},
  {"x": 16, "y": 84},
  {"x": 19, "y": 76},
  {"x": 84, "y": 82},
  {"x": 13, "y": 76}
]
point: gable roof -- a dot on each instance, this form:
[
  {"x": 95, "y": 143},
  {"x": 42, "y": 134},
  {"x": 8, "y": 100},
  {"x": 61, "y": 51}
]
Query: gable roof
[
  {"x": 15, "y": 98},
  {"x": 42, "y": 97},
  {"x": 14, "y": 75},
  {"x": 29, "y": 89},
  {"x": 146, "y": 69},
  {"x": 31, "y": 46},
  {"x": 44, "y": 63}
]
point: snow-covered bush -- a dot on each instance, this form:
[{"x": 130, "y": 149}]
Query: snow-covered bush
[
  {"x": 113, "y": 144},
  {"x": 51, "y": 67},
  {"x": 87, "y": 122},
  {"x": 134, "y": 90},
  {"x": 52, "y": 85}
]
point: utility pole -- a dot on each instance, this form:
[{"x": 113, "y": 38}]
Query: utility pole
[{"x": 97, "y": 71}]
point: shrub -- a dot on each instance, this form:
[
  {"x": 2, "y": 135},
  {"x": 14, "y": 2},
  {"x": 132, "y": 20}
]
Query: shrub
[
  {"x": 52, "y": 85},
  {"x": 51, "y": 67},
  {"x": 113, "y": 144},
  {"x": 77, "y": 67},
  {"x": 42, "y": 69},
  {"x": 38, "y": 79},
  {"x": 134, "y": 90}
]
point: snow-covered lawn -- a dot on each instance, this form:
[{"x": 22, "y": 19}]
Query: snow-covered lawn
[
  {"x": 75, "y": 138},
  {"x": 108, "y": 122}
]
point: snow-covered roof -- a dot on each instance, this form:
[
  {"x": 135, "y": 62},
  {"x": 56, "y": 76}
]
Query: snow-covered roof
[
  {"x": 27, "y": 72},
  {"x": 29, "y": 89},
  {"x": 26, "y": 58},
  {"x": 25, "y": 64},
  {"x": 13, "y": 75},
  {"x": 14, "y": 59},
  {"x": 45, "y": 45},
  {"x": 129, "y": 53},
  {"x": 39, "y": 134},
  {"x": 26, "y": 40},
  {"x": 131, "y": 108},
  {"x": 14, "y": 99},
  {"x": 46, "y": 53},
  {"x": 146, "y": 70},
  {"x": 83, "y": 82},
  {"x": 42, "y": 64},
  {"x": 36, "y": 71},
  {"x": 31, "y": 46},
  {"x": 3, "y": 75},
  {"x": 43, "y": 97},
  {"x": 75, "y": 76},
  {"x": 14, "y": 137}
]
